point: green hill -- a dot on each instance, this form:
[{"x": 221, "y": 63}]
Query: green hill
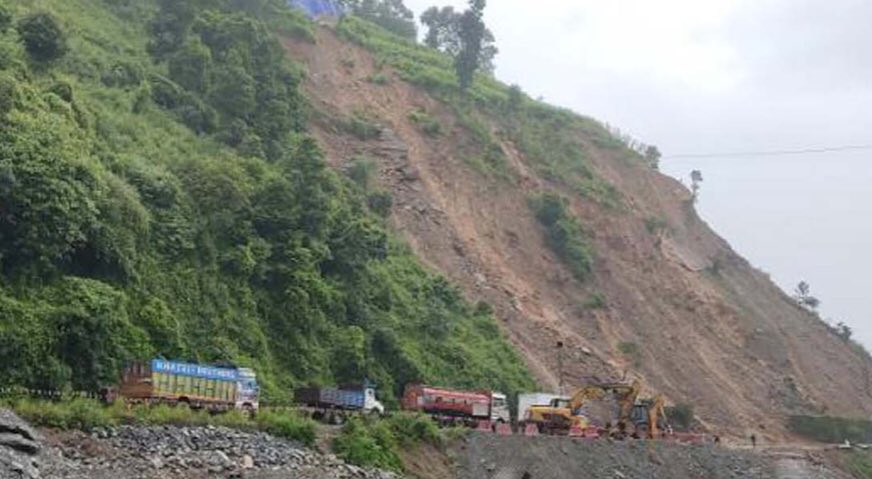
[{"x": 160, "y": 195}]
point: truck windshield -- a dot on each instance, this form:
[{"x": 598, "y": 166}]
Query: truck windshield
[{"x": 248, "y": 386}]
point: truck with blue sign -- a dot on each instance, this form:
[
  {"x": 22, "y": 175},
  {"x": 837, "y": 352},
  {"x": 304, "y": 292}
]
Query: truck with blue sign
[
  {"x": 200, "y": 386},
  {"x": 332, "y": 405}
]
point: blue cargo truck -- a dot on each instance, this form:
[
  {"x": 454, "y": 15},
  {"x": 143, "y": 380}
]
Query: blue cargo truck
[
  {"x": 333, "y": 405},
  {"x": 198, "y": 385}
]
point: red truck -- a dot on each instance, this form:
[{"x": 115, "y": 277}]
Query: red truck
[{"x": 452, "y": 405}]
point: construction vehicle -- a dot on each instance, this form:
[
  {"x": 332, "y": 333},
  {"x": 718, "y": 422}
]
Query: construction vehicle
[
  {"x": 528, "y": 400},
  {"x": 452, "y": 406},
  {"x": 563, "y": 415},
  {"x": 199, "y": 386},
  {"x": 649, "y": 417}
]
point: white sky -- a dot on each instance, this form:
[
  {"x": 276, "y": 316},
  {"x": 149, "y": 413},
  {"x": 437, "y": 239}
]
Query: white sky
[{"x": 713, "y": 76}]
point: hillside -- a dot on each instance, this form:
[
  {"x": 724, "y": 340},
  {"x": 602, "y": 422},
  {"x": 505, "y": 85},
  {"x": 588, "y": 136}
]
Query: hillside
[
  {"x": 664, "y": 297},
  {"x": 159, "y": 195},
  {"x": 166, "y": 189}
]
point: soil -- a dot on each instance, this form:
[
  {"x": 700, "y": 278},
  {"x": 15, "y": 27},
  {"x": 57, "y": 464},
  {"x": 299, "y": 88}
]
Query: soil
[{"x": 711, "y": 330}]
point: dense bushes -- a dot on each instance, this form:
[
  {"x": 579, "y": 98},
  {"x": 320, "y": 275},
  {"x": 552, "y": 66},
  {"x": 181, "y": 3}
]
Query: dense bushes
[
  {"x": 42, "y": 37},
  {"x": 5, "y": 19},
  {"x": 680, "y": 416},
  {"x": 564, "y": 232},
  {"x": 129, "y": 228},
  {"x": 376, "y": 443}
]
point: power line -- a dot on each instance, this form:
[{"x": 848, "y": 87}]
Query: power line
[{"x": 746, "y": 154}]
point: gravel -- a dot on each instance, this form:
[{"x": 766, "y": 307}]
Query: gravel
[
  {"x": 152, "y": 452},
  {"x": 486, "y": 456}
]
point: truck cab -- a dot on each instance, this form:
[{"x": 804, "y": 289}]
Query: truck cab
[
  {"x": 370, "y": 403},
  {"x": 246, "y": 390},
  {"x": 500, "y": 408}
]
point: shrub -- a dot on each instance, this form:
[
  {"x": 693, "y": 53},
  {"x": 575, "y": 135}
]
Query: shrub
[
  {"x": 429, "y": 125},
  {"x": 42, "y": 36},
  {"x": 859, "y": 464},
  {"x": 411, "y": 429},
  {"x": 5, "y": 19},
  {"x": 381, "y": 203},
  {"x": 655, "y": 224},
  {"x": 379, "y": 79},
  {"x": 564, "y": 233},
  {"x": 8, "y": 93},
  {"x": 288, "y": 425},
  {"x": 632, "y": 352},
  {"x": 680, "y": 416},
  {"x": 368, "y": 445},
  {"x": 82, "y": 414},
  {"x": 595, "y": 301},
  {"x": 361, "y": 172},
  {"x": 361, "y": 127}
]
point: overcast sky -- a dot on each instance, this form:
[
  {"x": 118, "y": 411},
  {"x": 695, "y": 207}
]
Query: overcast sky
[{"x": 723, "y": 76}]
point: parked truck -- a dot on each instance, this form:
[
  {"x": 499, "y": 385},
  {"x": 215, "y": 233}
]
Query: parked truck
[
  {"x": 197, "y": 385},
  {"x": 448, "y": 405},
  {"x": 332, "y": 405}
]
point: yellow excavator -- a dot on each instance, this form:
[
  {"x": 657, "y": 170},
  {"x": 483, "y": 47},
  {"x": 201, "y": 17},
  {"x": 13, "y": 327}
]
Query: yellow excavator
[
  {"x": 649, "y": 416},
  {"x": 563, "y": 414}
]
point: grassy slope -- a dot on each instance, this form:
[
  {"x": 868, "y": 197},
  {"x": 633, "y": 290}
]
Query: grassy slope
[{"x": 136, "y": 237}]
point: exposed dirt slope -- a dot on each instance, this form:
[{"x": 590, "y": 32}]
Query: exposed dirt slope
[{"x": 711, "y": 330}]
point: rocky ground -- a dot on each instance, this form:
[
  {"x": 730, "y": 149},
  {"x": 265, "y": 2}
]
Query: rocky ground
[
  {"x": 134, "y": 452},
  {"x": 517, "y": 457}
]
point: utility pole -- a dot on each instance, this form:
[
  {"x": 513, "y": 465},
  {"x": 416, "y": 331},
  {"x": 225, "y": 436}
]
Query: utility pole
[{"x": 560, "y": 366}]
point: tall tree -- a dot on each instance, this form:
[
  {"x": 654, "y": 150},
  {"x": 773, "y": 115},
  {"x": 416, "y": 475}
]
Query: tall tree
[
  {"x": 695, "y": 180},
  {"x": 441, "y": 26},
  {"x": 804, "y": 298},
  {"x": 472, "y": 33}
]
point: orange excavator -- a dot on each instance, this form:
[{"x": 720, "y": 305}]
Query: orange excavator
[{"x": 562, "y": 414}]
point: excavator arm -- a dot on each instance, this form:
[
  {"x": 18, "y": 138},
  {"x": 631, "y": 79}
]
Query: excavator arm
[{"x": 655, "y": 411}]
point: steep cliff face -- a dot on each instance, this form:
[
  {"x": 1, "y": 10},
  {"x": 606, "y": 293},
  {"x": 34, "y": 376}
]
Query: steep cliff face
[{"x": 668, "y": 300}]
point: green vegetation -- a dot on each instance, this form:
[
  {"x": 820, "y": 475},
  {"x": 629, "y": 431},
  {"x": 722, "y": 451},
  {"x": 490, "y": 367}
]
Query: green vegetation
[
  {"x": 392, "y": 15},
  {"x": 462, "y": 36},
  {"x": 159, "y": 196},
  {"x": 831, "y": 429},
  {"x": 596, "y": 301},
  {"x": 656, "y": 224},
  {"x": 379, "y": 79},
  {"x": 376, "y": 443},
  {"x": 429, "y": 125},
  {"x": 680, "y": 416},
  {"x": 361, "y": 126},
  {"x": 42, "y": 37},
  {"x": 858, "y": 464},
  {"x": 87, "y": 414},
  {"x": 564, "y": 232},
  {"x": 361, "y": 172},
  {"x": 631, "y": 352},
  {"x": 552, "y": 138}
]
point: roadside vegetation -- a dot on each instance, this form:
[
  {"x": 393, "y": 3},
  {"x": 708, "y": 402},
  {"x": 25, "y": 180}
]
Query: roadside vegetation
[
  {"x": 377, "y": 443},
  {"x": 159, "y": 196},
  {"x": 89, "y": 414}
]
